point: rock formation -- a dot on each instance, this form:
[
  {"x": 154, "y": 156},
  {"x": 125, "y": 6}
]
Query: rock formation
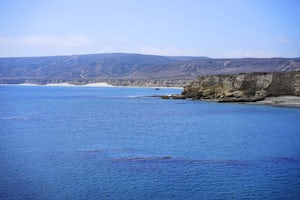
[{"x": 244, "y": 87}]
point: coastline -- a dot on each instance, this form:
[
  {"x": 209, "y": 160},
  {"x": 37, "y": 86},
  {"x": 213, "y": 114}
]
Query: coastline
[
  {"x": 256, "y": 88},
  {"x": 100, "y": 84},
  {"x": 280, "y": 101}
]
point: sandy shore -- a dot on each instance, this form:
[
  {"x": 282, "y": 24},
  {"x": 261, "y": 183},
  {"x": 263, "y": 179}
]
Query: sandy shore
[
  {"x": 287, "y": 101},
  {"x": 102, "y": 84}
]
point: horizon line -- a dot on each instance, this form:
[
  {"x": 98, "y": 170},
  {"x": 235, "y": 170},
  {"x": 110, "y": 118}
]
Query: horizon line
[{"x": 192, "y": 56}]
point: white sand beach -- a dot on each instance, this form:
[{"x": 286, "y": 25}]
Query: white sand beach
[
  {"x": 59, "y": 85},
  {"x": 101, "y": 84}
]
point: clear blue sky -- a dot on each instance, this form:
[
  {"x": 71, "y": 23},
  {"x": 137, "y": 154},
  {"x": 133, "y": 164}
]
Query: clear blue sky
[{"x": 214, "y": 28}]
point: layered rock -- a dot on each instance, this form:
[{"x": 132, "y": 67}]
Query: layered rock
[{"x": 244, "y": 87}]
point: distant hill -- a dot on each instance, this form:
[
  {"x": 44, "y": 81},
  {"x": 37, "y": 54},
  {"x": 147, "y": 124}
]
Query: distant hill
[
  {"x": 197, "y": 67},
  {"x": 121, "y": 66},
  {"x": 116, "y": 65}
]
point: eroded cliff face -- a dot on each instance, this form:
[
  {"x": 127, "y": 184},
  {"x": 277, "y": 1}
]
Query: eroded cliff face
[{"x": 244, "y": 87}]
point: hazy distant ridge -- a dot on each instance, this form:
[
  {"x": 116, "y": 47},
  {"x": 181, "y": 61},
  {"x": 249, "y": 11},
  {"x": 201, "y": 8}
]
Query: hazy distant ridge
[{"x": 134, "y": 67}]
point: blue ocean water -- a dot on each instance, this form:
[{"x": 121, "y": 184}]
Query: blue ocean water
[{"x": 117, "y": 143}]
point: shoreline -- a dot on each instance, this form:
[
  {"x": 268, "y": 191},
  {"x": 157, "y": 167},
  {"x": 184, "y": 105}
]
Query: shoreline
[
  {"x": 280, "y": 101},
  {"x": 100, "y": 84}
]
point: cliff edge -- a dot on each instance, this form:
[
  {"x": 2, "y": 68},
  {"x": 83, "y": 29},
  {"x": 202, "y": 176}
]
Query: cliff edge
[{"x": 244, "y": 87}]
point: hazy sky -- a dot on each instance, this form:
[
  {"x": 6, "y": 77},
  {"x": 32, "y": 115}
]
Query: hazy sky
[{"x": 214, "y": 28}]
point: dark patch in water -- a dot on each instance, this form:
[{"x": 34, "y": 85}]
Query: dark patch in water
[
  {"x": 145, "y": 158},
  {"x": 286, "y": 159},
  {"x": 225, "y": 162},
  {"x": 183, "y": 160},
  {"x": 14, "y": 118}
]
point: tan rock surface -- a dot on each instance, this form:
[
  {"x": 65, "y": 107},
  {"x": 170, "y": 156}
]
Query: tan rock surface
[{"x": 244, "y": 87}]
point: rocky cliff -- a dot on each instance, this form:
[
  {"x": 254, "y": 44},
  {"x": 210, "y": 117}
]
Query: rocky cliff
[{"x": 244, "y": 87}]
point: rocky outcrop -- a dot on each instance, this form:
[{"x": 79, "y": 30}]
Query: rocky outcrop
[{"x": 244, "y": 87}]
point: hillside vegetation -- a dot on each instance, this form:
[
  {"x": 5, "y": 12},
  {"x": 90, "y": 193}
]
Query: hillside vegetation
[{"x": 118, "y": 67}]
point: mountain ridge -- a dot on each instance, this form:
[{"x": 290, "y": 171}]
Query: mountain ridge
[{"x": 123, "y": 66}]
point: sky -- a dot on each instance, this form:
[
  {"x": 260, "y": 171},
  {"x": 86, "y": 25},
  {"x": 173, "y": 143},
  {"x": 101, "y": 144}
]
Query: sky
[{"x": 212, "y": 28}]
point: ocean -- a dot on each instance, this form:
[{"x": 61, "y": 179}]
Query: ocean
[{"x": 121, "y": 143}]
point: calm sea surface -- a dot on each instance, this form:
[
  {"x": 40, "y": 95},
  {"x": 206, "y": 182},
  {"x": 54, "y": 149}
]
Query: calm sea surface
[{"x": 116, "y": 143}]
